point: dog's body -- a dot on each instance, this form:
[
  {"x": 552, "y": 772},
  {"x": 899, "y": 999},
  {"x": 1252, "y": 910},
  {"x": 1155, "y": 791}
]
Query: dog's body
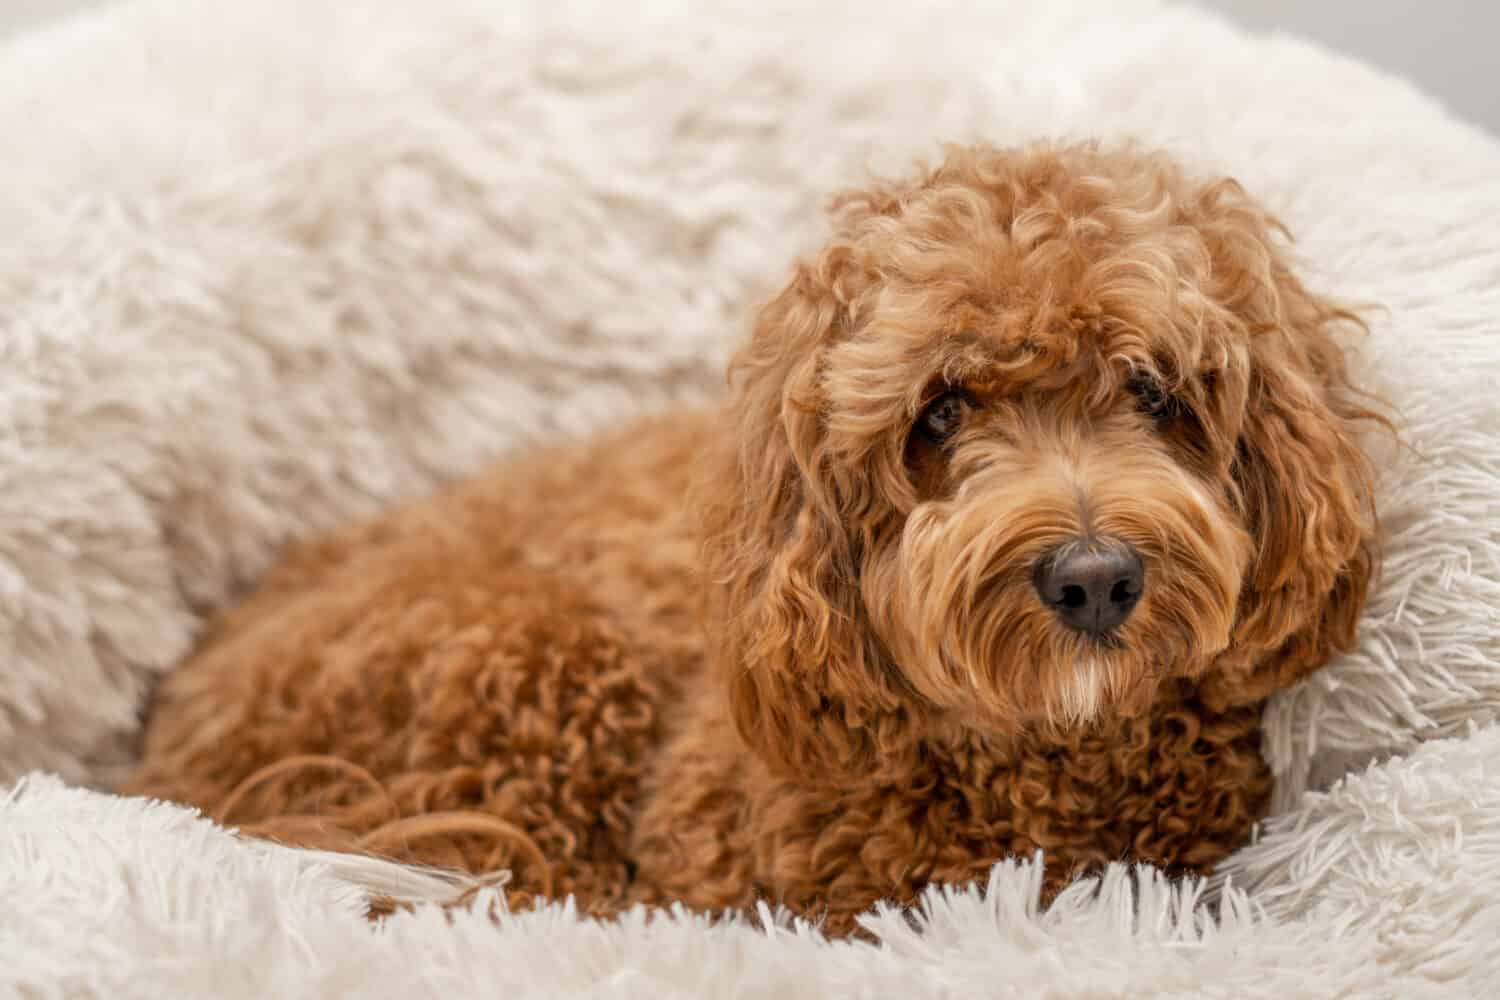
[{"x": 1034, "y": 486}]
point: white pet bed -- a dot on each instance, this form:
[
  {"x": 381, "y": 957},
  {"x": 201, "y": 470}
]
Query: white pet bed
[{"x": 268, "y": 266}]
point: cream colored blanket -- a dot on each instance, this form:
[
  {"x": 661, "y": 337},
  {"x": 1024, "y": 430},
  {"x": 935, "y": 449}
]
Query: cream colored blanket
[{"x": 267, "y": 267}]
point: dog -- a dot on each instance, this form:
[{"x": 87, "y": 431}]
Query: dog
[{"x": 1030, "y": 488}]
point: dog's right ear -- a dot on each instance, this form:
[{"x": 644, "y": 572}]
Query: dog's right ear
[{"x": 806, "y": 682}]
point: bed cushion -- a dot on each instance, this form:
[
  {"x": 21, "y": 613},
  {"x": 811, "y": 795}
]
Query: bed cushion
[{"x": 268, "y": 270}]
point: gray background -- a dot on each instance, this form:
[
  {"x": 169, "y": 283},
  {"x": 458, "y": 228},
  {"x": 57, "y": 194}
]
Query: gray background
[{"x": 1447, "y": 47}]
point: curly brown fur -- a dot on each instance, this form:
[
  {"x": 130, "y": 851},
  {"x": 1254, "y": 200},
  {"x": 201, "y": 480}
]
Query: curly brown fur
[{"x": 829, "y": 678}]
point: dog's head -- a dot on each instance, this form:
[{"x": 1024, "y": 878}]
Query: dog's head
[{"x": 1034, "y": 433}]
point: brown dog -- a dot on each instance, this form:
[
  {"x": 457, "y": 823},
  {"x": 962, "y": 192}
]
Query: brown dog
[{"x": 1033, "y": 485}]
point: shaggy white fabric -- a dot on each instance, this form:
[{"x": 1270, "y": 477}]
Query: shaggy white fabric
[
  {"x": 1396, "y": 872},
  {"x": 267, "y": 269}
]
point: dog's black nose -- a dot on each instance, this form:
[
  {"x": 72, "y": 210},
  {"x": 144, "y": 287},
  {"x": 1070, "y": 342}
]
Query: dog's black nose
[{"x": 1093, "y": 586}]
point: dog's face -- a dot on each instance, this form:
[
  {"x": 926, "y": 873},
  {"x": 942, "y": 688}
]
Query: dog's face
[{"x": 1035, "y": 433}]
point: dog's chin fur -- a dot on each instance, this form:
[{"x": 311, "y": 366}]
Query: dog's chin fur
[{"x": 822, "y": 673}]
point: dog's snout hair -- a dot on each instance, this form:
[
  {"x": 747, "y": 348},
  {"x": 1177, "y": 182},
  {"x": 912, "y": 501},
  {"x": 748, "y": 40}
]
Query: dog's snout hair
[{"x": 957, "y": 602}]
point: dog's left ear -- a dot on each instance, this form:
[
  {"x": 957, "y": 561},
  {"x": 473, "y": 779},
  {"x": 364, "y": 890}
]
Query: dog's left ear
[{"x": 1304, "y": 482}]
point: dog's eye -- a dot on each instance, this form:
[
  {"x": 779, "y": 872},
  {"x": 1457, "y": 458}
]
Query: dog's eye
[
  {"x": 1152, "y": 397},
  {"x": 942, "y": 417}
]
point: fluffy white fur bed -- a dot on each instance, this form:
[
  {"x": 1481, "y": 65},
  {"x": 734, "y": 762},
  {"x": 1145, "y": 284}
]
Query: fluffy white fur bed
[{"x": 271, "y": 266}]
